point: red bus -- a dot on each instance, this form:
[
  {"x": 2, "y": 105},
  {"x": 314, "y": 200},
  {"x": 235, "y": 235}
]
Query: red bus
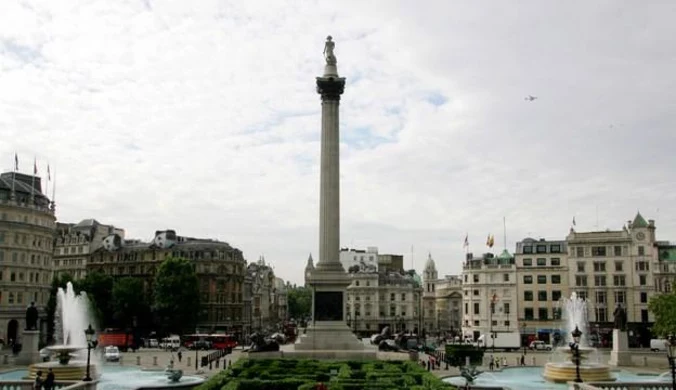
[
  {"x": 209, "y": 341},
  {"x": 222, "y": 341}
]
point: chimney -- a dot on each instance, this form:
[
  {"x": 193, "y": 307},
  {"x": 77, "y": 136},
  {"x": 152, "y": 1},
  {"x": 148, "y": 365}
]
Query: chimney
[{"x": 651, "y": 223}]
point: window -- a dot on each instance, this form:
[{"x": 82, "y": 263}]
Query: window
[
  {"x": 528, "y": 296},
  {"x": 581, "y": 280},
  {"x": 542, "y": 296},
  {"x": 476, "y": 292},
  {"x": 356, "y": 283},
  {"x": 599, "y": 280},
  {"x": 601, "y": 298},
  {"x": 601, "y": 314},
  {"x": 507, "y": 324},
  {"x": 619, "y": 280},
  {"x": 505, "y": 308},
  {"x": 556, "y": 295},
  {"x": 527, "y": 249},
  {"x": 580, "y": 251},
  {"x": 644, "y": 315},
  {"x": 403, "y": 296},
  {"x": 556, "y": 279},
  {"x": 541, "y": 262},
  {"x": 644, "y": 297},
  {"x": 598, "y": 251},
  {"x": 555, "y": 248},
  {"x": 556, "y": 261},
  {"x": 542, "y": 313},
  {"x": 641, "y": 250},
  {"x": 582, "y": 295},
  {"x": 620, "y": 297},
  {"x": 476, "y": 278},
  {"x": 476, "y": 307},
  {"x": 476, "y": 323},
  {"x": 580, "y": 266},
  {"x": 528, "y": 313},
  {"x": 617, "y": 250},
  {"x": 505, "y": 277},
  {"x": 465, "y": 278},
  {"x": 494, "y": 323},
  {"x": 642, "y": 266},
  {"x": 527, "y": 279},
  {"x": 642, "y": 280},
  {"x": 392, "y": 297},
  {"x": 618, "y": 266},
  {"x": 541, "y": 248},
  {"x": 542, "y": 279},
  {"x": 466, "y": 308},
  {"x": 599, "y": 266},
  {"x": 527, "y": 262}
]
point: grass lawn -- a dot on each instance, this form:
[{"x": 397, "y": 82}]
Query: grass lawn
[{"x": 291, "y": 374}]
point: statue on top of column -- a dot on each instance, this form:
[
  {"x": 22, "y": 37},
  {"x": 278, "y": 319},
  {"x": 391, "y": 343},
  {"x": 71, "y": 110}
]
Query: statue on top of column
[
  {"x": 620, "y": 320},
  {"x": 328, "y": 51},
  {"x": 32, "y": 317}
]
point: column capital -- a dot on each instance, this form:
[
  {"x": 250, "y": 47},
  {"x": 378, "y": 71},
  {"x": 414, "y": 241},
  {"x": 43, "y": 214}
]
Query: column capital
[{"x": 330, "y": 87}]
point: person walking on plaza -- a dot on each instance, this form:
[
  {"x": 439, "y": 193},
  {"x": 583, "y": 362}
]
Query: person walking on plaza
[
  {"x": 523, "y": 360},
  {"x": 37, "y": 385},
  {"x": 180, "y": 356}
]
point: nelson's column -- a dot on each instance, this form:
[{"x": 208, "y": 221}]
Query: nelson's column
[{"x": 328, "y": 335}]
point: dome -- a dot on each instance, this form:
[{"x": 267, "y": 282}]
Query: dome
[{"x": 429, "y": 264}]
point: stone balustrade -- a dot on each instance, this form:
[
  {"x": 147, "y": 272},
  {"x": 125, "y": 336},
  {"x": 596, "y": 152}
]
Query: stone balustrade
[
  {"x": 620, "y": 386},
  {"x": 59, "y": 385}
]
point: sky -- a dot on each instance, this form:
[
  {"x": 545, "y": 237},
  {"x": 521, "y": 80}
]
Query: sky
[{"x": 203, "y": 117}]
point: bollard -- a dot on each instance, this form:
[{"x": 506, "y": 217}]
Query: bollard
[
  {"x": 645, "y": 361},
  {"x": 138, "y": 360},
  {"x": 154, "y": 360},
  {"x": 532, "y": 359},
  {"x": 188, "y": 361},
  {"x": 467, "y": 361}
]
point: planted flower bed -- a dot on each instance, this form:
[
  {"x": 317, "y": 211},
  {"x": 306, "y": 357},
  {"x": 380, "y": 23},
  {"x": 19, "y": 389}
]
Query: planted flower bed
[{"x": 290, "y": 374}]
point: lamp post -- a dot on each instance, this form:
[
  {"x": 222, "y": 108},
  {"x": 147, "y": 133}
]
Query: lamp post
[
  {"x": 356, "y": 315},
  {"x": 671, "y": 355},
  {"x": 523, "y": 339},
  {"x": 575, "y": 348},
  {"x": 348, "y": 318},
  {"x": 89, "y": 334}
]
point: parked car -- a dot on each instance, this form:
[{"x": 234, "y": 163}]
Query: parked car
[
  {"x": 658, "y": 345},
  {"x": 111, "y": 354},
  {"x": 538, "y": 345}
]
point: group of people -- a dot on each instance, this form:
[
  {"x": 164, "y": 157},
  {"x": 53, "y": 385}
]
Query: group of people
[
  {"x": 496, "y": 362},
  {"x": 47, "y": 383}
]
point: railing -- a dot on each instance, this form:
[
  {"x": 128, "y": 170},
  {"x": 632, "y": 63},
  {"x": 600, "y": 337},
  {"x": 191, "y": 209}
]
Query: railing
[{"x": 619, "y": 386}]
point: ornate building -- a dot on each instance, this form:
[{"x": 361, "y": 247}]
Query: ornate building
[
  {"x": 74, "y": 243},
  {"x": 376, "y": 299},
  {"x": 221, "y": 270},
  {"x": 442, "y": 302},
  {"x": 263, "y": 306},
  {"x": 27, "y": 226}
]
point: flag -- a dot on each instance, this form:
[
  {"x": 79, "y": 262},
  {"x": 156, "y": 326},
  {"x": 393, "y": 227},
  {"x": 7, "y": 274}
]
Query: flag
[
  {"x": 491, "y": 241},
  {"x": 573, "y": 221},
  {"x": 49, "y": 174},
  {"x": 35, "y": 166},
  {"x": 16, "y": 162},
  {"x": 488, "y": 240},
  {"x": 466, "y": 244}
]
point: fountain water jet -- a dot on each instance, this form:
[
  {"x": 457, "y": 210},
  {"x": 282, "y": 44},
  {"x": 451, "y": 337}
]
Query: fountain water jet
[
  {"x": 575, "y": 315},
  {"x": 70, "y": 321}
]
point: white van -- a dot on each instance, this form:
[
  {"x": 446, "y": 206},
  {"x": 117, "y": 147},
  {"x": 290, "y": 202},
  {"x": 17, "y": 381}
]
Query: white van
[
  {"x": 658, "y": 345},
  {"x": 172, "y": 343}
]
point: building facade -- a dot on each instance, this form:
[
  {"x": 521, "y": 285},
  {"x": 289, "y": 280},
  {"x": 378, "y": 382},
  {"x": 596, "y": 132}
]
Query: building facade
[
  {"x": 442, "y": 302},
  {"x": 363, "y": 258},
  {"x": 220, "y": 268},
  {"x": 664, "y": 266},
  {"x": 376, "y": 300},
  {"x": 264, "y": 305},
  {"x": 490, "y": 297},
  {"x": 542, "y": 280},
  {"x": 27, "y": 226},
  {"x": 74, "y": 244},
  {"x": 611, "y": 268}
]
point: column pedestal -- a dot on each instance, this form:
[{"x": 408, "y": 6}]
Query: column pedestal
[
  {"x": 620, "y": 355},
  {"x": 30, "y": 352}
]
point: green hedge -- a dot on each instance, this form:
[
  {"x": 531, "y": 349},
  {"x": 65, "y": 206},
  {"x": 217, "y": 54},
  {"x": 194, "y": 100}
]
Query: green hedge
[{"x": 291, "y": 374}]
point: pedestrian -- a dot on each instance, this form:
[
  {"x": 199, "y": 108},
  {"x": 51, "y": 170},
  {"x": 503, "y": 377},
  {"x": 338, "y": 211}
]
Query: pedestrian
[
  {"x": 523, "y": 360},
  {"x": 180, "y": 356},
  {"x": 37, "y": 385},
  {"x": 49, "y": 381},
  {"x": 491, "y": 364}
]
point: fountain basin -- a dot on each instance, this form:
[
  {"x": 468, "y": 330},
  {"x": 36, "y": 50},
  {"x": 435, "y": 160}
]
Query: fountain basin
[
  {"x": 75, "y": 370},
  {"x": 560, "y": 372}
]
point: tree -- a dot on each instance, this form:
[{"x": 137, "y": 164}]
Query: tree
[
  {"x": 176, "y": 295},
  {"x": 300, "y": 302},
  {"x": 664, "y": 308},
  {"x": 98, "y": 287},
  {"x": 128, "y": 301}
]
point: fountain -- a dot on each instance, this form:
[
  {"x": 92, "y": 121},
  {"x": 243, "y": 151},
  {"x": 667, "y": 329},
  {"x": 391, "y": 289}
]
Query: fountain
[
  {"x": 575, "y": 317},
  {"x": 71, "y": 320}
]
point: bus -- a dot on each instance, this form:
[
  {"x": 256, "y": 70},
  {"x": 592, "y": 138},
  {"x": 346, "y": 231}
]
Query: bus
[{"x": 209, "y": 341}]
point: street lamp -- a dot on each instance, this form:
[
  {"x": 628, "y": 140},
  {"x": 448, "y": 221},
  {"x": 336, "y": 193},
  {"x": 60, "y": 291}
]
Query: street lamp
[
  {"x": 89, "y": 334},
  {"x": 575, "y": 348},
  {"x": 356, "y": 315},
  {"x": 523, "y": 339},
  {"x": 671, "y": 355},
  {"x": 348, "y": 317}
]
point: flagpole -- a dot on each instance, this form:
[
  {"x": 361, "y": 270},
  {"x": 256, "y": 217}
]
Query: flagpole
[
  {"x": 35, "y": 172},
  {"x": 504, "y": 231},
  {"x": 54, "y": 189},
  {"x": 16, "y": 166}
]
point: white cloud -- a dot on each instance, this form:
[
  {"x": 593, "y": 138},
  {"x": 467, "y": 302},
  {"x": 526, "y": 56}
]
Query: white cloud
[{"x": 204, "y": 118}]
